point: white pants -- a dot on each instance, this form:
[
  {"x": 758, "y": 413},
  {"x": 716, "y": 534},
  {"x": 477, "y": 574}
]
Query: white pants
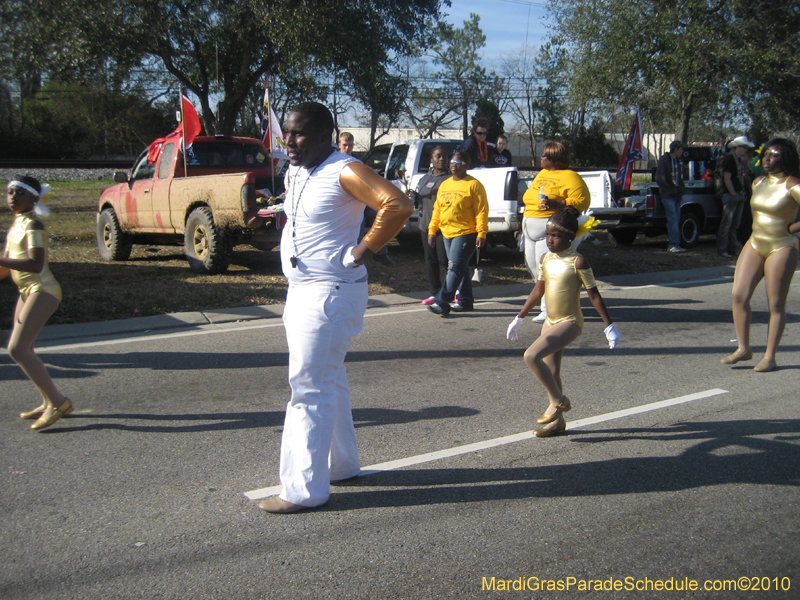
[
  {"x": 535, "y": 231},
  {"x": 319, "y": 440}
]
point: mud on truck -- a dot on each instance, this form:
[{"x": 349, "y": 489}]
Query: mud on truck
[{"x": 204, "y": 204}]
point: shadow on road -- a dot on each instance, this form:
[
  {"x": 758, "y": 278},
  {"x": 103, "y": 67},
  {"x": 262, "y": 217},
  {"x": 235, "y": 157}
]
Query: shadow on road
[{"x": 728, "y": 452}]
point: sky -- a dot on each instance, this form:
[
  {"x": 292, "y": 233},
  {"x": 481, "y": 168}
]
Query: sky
[{"x": 505, "y": 23}]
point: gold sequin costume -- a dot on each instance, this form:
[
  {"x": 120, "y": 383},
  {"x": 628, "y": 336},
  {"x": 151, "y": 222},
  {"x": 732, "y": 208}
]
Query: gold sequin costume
[
  {"x": 774, "y": 209},
  {"x": 18, "y": 240},
  {"x": 562, "y": 286}
]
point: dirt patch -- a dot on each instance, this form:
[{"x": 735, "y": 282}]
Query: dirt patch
[{"x": 158, "y": 280}]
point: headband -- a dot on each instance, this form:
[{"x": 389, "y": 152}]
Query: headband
[
  {"x": 15, "y": 183},
  {"x": 559, "y": 227}
]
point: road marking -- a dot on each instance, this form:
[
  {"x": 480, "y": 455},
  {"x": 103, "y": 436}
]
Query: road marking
[
  {"x": 279, "y": 323},
  {"x": 509, "y": 439}
]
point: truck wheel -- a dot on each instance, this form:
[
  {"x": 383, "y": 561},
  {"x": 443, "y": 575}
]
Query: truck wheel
[
  {"x": 691, "y": 228},
  {"x": 112, "y": 242},
  {"x": 207, "y": 248},
  {"x": 623, "y": 237}
]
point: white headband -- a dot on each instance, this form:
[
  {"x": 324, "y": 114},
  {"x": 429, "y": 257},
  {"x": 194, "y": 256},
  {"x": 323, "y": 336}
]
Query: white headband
[{"x": 24, "y": 186}]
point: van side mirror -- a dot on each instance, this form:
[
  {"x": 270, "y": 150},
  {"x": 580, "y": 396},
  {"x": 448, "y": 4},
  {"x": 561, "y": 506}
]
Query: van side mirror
[{"x": 121, "y": 177}]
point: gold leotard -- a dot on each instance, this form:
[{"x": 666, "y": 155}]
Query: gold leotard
[
  {"x": 562, "y": 286},
  {"x": 18, "y": 240},
  {"x": 774, "y": 209}
]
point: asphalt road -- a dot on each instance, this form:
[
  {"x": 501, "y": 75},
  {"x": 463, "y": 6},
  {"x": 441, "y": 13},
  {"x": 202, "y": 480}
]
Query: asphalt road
[{"x": 676, "y": 469}]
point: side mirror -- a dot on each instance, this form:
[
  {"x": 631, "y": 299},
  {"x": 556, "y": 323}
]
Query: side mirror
[{"x": 121, "y": 177}]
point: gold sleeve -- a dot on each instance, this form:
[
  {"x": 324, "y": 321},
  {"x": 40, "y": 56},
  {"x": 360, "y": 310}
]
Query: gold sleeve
[
  {"x": 587, "y": 277},
  {"x": 35, "y": 238},
  {"x": 392, "y": 205},
  {"x": 794, "y": 192}
]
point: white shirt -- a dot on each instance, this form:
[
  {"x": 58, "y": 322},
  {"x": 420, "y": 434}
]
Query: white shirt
[{"x": 322, "y": 223}]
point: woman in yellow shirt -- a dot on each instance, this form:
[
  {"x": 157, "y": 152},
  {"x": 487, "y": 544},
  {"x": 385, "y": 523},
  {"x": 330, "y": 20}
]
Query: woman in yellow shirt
[
  {"x": 461, "y": 212},
  {"x": 25, "y": 259},
  {"x": 558, "y": 187}
]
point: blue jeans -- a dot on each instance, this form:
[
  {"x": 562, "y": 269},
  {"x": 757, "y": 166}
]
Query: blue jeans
[
  {"x": 459, "y": 251},
  {"x": 673, "y": 228}
]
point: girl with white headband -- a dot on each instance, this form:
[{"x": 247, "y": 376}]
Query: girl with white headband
[{"x": 25, "y": 259}]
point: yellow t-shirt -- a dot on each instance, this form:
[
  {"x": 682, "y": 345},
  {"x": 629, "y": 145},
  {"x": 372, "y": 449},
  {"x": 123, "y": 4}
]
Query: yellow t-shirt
[
  {"x": 563, "y": 184},
  {"x": 461, "y": 208}
]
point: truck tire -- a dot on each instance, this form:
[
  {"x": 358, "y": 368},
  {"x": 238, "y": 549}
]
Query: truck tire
[
  {"x": 690, "y": 228},
  {"x": 207, "y": 248},
  {"x": 112, "y": 242},
  {"x": 625, "y": 236}
]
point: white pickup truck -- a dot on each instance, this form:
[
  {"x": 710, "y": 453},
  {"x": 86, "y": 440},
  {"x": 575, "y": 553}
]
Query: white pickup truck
[{"x": 405, "y": 163}]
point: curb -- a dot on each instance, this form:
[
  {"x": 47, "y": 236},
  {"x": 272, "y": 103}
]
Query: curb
[{"x": 220, "y": 316}]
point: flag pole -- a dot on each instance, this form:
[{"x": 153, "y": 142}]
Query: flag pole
[
  {"x": 269, "y": 129},
  {"x": 183, "y": 133}
]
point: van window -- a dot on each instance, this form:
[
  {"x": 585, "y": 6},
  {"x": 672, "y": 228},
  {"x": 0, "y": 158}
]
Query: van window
[
  {"x": 427, "y": 150},
  {"x": 397, "y": 162}
]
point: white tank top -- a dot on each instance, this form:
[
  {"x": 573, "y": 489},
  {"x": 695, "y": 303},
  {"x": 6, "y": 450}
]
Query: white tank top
[{"x": 322, "y": 222}]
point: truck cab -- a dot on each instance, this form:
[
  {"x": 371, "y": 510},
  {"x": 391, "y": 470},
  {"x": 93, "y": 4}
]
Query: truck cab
[
  {"x": 699, "y": 210},
  {"x": 405, "y": 163}
]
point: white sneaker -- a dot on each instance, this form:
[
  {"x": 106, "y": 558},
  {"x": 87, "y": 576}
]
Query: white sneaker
[{"x": 540, "y": 318}]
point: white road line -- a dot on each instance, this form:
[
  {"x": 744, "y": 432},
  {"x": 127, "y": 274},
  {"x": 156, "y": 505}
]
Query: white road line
[
  {"x": 279, "y": 323},
  {"x": 501, "y": 441}
]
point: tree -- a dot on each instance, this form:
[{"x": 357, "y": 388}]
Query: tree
[
  {"x": 223, "y": 49},
  {"x": 459, "y": 82},
  {"x": 650, "y": 55}
]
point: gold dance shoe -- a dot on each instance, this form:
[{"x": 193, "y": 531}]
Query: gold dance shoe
[
  {"x": 766, "y": 365},
  {"x": 561, "y": 408},
  {"x": 557, "y": 430},
  {"x": 61, "y": 411},
  {"x": 33, "y": 414},
  {"x": 736, "y": 357}
]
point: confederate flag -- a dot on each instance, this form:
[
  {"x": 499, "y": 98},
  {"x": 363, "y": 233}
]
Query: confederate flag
[{"x": 632, "y": 152}]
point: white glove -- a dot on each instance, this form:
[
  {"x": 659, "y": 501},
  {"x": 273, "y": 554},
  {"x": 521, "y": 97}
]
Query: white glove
[
  {"x": 511, "y": 334},
  {"x": 612, "y": 335},
  {"x": 348, "y": 260}
]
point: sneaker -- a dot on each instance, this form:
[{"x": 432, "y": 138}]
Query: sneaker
[
  {"x": 540, "y": 318},
  {"x": 428, "y": 301},
  {"x": 725, "y": 254},
  {"x": 676, "y": 249},
  {"x": 383, "y": 259},
  {"x": 461, "y": 307},
  {"x": 442, "y": 310}
]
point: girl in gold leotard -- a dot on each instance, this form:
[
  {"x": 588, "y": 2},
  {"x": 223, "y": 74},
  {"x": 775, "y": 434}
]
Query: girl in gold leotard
[
  {"x": 562, "y": 273},
  {"x": 25, "y": 259},
  {"x": 771, "y": 253}
]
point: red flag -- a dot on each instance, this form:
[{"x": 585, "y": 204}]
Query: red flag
[
  {"x": 192, "y": 122},
  {"x": 630, "y": 153}
]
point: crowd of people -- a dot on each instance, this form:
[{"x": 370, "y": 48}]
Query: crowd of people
[{"x": 325, "y": 244}]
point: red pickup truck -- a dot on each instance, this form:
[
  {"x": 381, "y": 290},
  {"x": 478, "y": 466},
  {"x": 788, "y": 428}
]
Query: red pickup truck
[{"x": 205, "y": 205}]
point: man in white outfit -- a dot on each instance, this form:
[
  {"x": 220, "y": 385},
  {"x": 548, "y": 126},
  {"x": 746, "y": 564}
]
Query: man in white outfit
[{"x": 326, "y": 191}]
